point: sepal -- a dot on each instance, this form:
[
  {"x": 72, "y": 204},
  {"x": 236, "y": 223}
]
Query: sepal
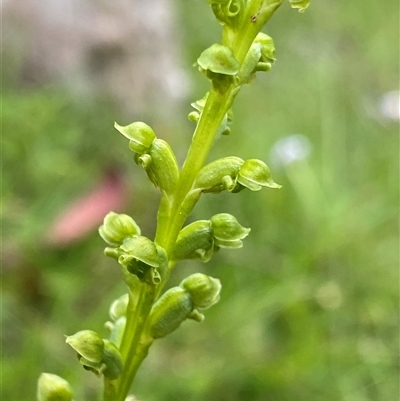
[
  {"x": 220, "y": 66},
  {"x": 204, "y": 290},
  {"x": 88, "y": 344},
  {"x": 53, "y": 388},
  {"x": 153, "y": 154},
  {"x": 95, "y": 354},
  {"x": 255, "y": 174},
  {"x": 227, "y": 231},
  {"x": 140, "y": 136},
  {"x": 218, "y": 59},
  {"x": 117, "y": 227}
]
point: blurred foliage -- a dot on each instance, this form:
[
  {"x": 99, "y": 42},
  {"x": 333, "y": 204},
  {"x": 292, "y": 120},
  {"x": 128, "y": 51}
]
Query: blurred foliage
[{"x": 309, "y": 307}]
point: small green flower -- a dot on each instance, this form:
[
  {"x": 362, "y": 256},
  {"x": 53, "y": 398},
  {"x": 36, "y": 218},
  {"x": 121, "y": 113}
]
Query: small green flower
[
  {"x": 138, "y": 255},
  {"x": 204, "y": 290},
  {"x": 88, "y": 344},
  {"x": 167, "y": 314},
  {"x": 219, "y": 175},
  {"x": 195, "y": 241},
  {"x": 255, "y": 174},
  {"x": 218, "y": 59},
  {"x": 140, "y": 136},
  {"x": 117, "y": 227},
  {"x": 53, "y": 388},
  {"x": 160, "y": 165},
  {"x": 227, "y": 231}
]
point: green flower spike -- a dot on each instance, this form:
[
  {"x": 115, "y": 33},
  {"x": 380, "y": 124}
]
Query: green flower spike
[
  {"x": 53, "y": 388},
  {"x": 117, "y": 227},
  {"x": 227, "y": 231},
  {"x": 139, "y": 255},
  {"x": 255, "y": 174},
  {"x": 140, "y": 135},
  {"x": 204, "y": 290}
]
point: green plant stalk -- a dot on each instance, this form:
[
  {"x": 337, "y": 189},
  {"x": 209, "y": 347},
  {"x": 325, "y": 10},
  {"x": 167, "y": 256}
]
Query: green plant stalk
[
  {"x": 216, "y": 107},
  {"x": 173, "y": 216},
  {"x": 133, "y": 350}
]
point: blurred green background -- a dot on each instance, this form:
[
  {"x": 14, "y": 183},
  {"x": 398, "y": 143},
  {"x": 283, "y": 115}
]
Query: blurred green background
[{"x": 309, "y": 308}]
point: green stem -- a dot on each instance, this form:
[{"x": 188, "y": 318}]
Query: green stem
[
  {"x": 132, "y": 345},
  {"x": 172, "y": 216},
  {"x": 216, "y": 107}
]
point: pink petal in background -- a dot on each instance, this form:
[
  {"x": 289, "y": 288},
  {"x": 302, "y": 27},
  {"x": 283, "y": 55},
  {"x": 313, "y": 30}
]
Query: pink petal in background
[{"x": 85, "y": 214}]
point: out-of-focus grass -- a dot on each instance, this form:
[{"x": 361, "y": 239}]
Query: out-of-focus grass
[{"x": 309, "y": 308}]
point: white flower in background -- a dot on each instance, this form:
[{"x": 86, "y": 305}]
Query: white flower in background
[
  {"x": 290, "y": 149},
  {"x": 389, "y": 105}
]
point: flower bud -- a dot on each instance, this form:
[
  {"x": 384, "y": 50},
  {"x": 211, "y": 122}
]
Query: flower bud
[
  {"x": 140, "y": 135},
  {"x": 161, "y": 166},
  {"x": 195, "y": 241},
  {"x": 112, "y": 361},
  {"x": 53, "y": 388},
  {"x": 203, "y": 289},
  {"x": 169, "y": 312},
  {"x": 118, "y": 307},
  {"x": 88, "y": 344},
  {"x": 255, "y": 174},
  {"x": 227, "y": 228},
  {"x": 116, "y": 227},
  {"x": 219, "y": 175},
  {"x": 218, "y": 59}
]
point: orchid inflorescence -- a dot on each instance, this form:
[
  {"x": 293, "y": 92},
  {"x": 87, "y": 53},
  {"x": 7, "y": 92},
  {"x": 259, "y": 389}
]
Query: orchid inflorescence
[{"x": 146, "y": 313}]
